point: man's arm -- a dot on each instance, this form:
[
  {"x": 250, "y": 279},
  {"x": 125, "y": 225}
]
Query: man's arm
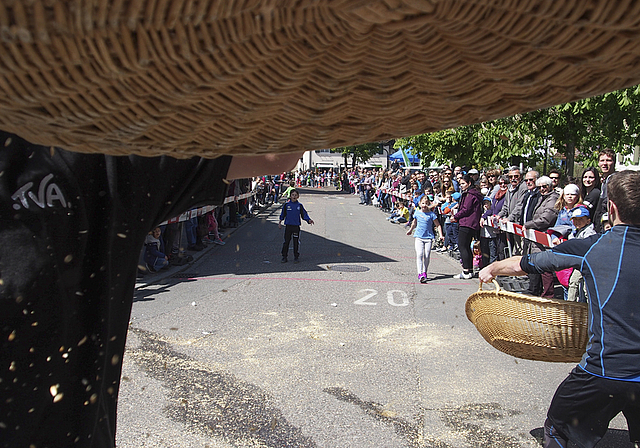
[
  {"x": 249, "y": 166},
  {"x": 566, "y": 255},
  {"x": 509, "y": 266}
]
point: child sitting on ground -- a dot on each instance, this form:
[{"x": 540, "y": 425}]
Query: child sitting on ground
[
  {"x": 154, "y": 256},
  {"x": 401, "y": 214}
]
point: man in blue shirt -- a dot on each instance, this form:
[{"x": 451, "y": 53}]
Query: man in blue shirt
[
  {"x": 292, "y": 213},
  {"x": 607, "y": 380}
]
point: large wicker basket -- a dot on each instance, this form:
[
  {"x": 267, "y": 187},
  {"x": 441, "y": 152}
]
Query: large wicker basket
[
  {"x": 530, "y": 327},
  {"x": 207, "y": 77}
]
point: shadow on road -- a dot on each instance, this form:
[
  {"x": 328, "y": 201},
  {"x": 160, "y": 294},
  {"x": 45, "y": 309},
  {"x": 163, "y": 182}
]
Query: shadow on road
[{"x": 255, "y": 249}]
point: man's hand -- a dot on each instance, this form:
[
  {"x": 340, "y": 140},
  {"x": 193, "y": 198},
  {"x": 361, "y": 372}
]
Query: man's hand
[
  {"x": 310, "y": 222},
  {"x": 485, "y": 275},
  {"x": 510, "y": 266},
  {"x": 249, "y": 166}
]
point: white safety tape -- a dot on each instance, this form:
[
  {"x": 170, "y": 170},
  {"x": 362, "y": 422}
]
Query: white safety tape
[{"x": 206, "y": 209}]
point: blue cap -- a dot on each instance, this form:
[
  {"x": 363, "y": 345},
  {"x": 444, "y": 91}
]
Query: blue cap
[
  {"x": 456, "y": 195},
  {"x": 579, "y": 211},
  {"x": 487, "y": 198}
]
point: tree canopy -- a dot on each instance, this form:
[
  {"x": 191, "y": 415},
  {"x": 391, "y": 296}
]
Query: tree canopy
[
  {"x": 358, "y": 153},
  {"x": 574, "y": 130}
]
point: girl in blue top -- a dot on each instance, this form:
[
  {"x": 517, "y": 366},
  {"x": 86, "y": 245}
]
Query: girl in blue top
[{"x": 424, "y": 222}]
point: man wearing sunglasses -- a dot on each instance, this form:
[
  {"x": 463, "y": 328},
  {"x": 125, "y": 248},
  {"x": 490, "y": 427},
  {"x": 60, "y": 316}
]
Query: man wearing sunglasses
[
  {"x": 543, "y": 216},
  {"x": 515, "y": 193},
  {"x": 555, "y": 175}
]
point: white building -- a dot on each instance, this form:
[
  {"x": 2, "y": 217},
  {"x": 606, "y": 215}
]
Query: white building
[
  {"x": 629, "y": 162},
  {"x": 325, "y": 159}
]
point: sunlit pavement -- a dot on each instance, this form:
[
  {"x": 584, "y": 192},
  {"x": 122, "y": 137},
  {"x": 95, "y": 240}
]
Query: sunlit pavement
[{"x": 343, "y": 349}]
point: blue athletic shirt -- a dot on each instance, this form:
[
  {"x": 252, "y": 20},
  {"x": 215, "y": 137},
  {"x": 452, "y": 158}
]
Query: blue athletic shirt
[
  {"x": 424, "y": 224},
  {"x": 608, "y": 264},
  {"x": 291, "y": 213}
]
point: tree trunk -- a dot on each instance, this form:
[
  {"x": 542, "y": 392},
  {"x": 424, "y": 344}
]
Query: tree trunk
[
  {"x": 570, "y": 138},
  {"x": 570, "y": 155}
]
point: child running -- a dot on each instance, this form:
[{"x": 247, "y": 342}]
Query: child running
[
  {"x": 292, "y": 212},
  {"x": 424, "y": 222}
]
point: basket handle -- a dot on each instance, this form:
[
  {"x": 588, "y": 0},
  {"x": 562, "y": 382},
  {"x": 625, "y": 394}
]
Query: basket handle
[{"x": 495, "y": 283}]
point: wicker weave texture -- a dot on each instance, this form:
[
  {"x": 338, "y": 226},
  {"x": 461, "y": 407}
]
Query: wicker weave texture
[
  {"x": 203, "y": 77},
  {"x": 530, "y": 327}
]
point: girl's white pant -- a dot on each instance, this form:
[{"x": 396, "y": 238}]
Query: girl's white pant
[{"x": 423, "y": 254}]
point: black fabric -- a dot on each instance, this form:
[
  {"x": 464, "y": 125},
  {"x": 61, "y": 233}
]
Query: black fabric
[
  {"x": 591, "y": 202},
  {"x": 601, "y": 207},
  {"x": 291, "y": 232},
  {"x": 608, "y": 264},
  {"x": 529, "y": 202},
  {"x": 465, "y": 237},
  {"x": 552, "y": 437},
  {"x": 584, "y": 404},
  {"x": 71, "y": 230}
]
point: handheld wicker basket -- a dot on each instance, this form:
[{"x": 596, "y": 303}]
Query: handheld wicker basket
[
  {"x": 207, "y": 77},
  {"x": 530, "y": 327}
]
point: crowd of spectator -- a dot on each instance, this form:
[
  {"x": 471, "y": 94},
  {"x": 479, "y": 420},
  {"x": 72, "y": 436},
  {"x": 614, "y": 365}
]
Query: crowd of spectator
[{"x": 471, "y": 202}]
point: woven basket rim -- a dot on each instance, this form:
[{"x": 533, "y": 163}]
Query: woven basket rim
[{"x": 204, "y": 78}]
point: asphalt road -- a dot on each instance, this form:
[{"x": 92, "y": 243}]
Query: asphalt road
[{"x": 344, "y": 349}]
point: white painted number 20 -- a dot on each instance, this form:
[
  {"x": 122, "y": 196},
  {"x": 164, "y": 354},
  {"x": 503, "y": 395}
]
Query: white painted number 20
[{"x": 391, "y": 297}]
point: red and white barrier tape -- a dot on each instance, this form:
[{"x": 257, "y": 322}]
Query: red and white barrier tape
[
  {"x": 530, "y": 234},
  {"x": 204, "y": 210}
]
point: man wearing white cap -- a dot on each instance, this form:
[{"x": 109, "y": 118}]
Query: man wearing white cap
[{"x": 475, "y": 175}]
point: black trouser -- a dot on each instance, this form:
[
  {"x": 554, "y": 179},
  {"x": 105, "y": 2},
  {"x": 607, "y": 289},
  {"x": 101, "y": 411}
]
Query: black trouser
[
  {"x": 291, "y": 231},
  {"x": 485, "y": 250},
  {"x": 584, "y": 404},
  {"x": 501, "y": 243},
  {"x": 465, "y": 236},
  {"x": 170, "y": 236}
]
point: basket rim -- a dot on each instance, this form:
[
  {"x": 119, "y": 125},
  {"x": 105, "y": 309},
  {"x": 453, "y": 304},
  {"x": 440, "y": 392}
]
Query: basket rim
[{"x": 530, "y": 298}]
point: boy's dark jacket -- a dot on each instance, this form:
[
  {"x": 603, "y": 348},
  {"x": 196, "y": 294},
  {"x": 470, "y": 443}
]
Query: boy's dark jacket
[{"x": 292, "y": 212}]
